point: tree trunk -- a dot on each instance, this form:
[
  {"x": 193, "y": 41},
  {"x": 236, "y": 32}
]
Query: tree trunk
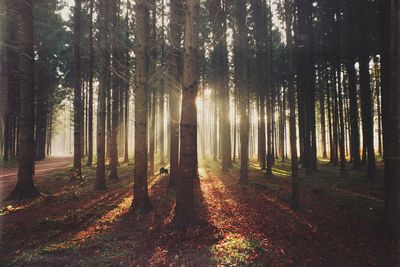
[
  {"x": 323, "y": 79},
  {"x": 295, "y": 205},
  {"x": 175, "y": 27},
  {"x": 390, "y": 51},
  {"x": 104, "y": 20},
  {"x": 184, "y": 209},
  {"x": 90, "y": 93},
  {"x": 366, "y": 98},
  {"x": 141, "y": 201},
  {"x": 25, "y": 187},
  {"x": 77, "y": 172},
  {"x": 116, "y": 87}
]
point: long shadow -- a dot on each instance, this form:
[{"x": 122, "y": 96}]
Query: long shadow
[
  {"x": 53, "y": 229},
  {"x": 317, "y": 233}
]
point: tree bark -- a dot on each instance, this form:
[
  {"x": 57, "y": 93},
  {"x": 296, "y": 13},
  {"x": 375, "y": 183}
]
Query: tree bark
[
  {"x": 175, "y": 27},
  {"x": 184, "y": 209},
  {"x": 116, "y": 87},
  {"x": 90, "y": 93},
  {"x": 77, "y": 168},
  {"x": 104, "y": 20},
  {"x": 141, "y": 201},
  {"x": 390, "y": 61},
  {"x": 295, "y": 205},
  {"x": 25, "y": 187},
  {"x": 365, "y": 89}
]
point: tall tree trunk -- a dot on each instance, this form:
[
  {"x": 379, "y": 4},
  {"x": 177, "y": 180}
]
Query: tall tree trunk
[
  {"x": 242, "y": 61},
  {"x": 175, "y": 28},
  {"x": 141, "y": 201},
  {"x": 184, "y": 209},
  {"x": 306, "y": 85},
  {"x": 104, "y": 18},
  {"x": 90, "y": 93},
  {"x": 127, "y": 83},
  {"x": 162, "y": 88},
  {"x": 153, "y": 86},
  {"x": 25, "y": 186},
  {"x": 77, "y": 172},
  {"x": 354, "y": 116},
  {"x": 365, "y": 88},
  {"x": 269, "y": 100},
  {"x": 378, "y": 104},
  {"x": 259, "y": 10},
  {"x": 390, "y": 51},
  {"x": 116, "y": 87},
  {"x": 295, "y": 205},
  {"x": 323, "y": 78}
]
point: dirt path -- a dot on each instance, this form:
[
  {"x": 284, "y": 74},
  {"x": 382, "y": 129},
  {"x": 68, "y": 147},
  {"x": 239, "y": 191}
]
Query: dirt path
[{"x": 8, "y": 176}]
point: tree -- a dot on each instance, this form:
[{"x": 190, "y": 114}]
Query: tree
[
  {"x": 175, "y": 28},
  {"x": 90, "y": 96},
  {"x": 365, "y": 90},
  {"x": 116, "y": 87},
  {"x": 25, "y": 187},
  {"x": 77, "y": 168},
  {"x": 184, "y": 209},
  {"x": 241, "y": 65},
  {"x": 104, "y": 20},
  {"x": 292, "y": 106},
  {"x": 141, "y": 201},
  {"x": 390, "y": 51},
  {"x": 218, "y": 12}
]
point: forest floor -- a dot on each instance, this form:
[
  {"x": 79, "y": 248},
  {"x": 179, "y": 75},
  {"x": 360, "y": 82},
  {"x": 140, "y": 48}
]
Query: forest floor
[{"x": 339, "y": 223}]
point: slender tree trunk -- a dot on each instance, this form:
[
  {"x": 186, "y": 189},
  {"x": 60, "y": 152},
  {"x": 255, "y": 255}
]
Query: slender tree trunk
[
  {"x": 116, "y": 87},
  {"x": 241, "y": 65},
  {"x": 77, "y": 172},
  {"x": 90, "y": 93},
  {"x": 25, "y": 187},
  {"x": 141, "y": 201},
  {"x": 322, "y": 112},
  {"x": 295, "y": 205},
  {"x": 269, "y": 100},
  {"x": 100, "y": 182},
  {"x": 366, "y": 98},
  {"x": 175, "y": 27},
  {"x": 378, "y": 104},
  {"x": 127, "y": 84},
  {"x": 354, "y": 116}
]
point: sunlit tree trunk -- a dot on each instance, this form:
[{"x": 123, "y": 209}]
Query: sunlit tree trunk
[
  {"x": 184, "y": 209},
  {"x": 116, "y": 87},
  {"x": 104, "y": 21},
  {"x": 153, "y": 70},
  {"x": 25, "y": 186},
  {"x": 268, "y": 81},
  {"x": 141, "y": 201},
  {"x": 90, "y": 93},
  {"x": 241, "y": 65},
  {"x": 322, "y": 88},
  {"x": 260, "y": 38},
  {"x": 295, "y": 205},
  {"x": 378, "y": 104},
  {"x": 365, "y": 92},
  {"x": 175, "y": 27},
  {"x": 77, "y": 172},
  {"x": 127, "y": 83}
]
